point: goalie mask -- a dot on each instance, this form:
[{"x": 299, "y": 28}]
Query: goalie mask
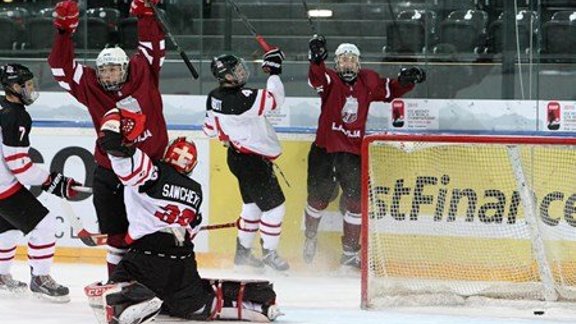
[
  {"x": 347, "y": 58},
  {"x": 17, "y": 80},
  {"x": 182, "y": 155},
  {"x": 230, "y": 69},
  {"x": 112, "y": 68}
]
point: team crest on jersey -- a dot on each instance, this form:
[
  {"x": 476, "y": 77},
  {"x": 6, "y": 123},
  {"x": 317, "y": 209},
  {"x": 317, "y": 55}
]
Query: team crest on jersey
[
  {"x": 216, "y": 104},
  {"x": 350, "y": 110}
]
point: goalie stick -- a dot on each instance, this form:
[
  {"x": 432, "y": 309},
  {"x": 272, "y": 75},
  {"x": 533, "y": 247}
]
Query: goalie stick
[{"x": 95, "y": 239}]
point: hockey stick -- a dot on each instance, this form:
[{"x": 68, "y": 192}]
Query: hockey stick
[
  {"x": 82, "y": 189},
  {"x": 310, "y": 22},
  {"x": 261, "y": 41},
  {"x": 179, "y": 49},
  {"x": 89, "y": 239}
]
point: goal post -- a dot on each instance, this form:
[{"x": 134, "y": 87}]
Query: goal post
[{"x": 458, "y": 219}]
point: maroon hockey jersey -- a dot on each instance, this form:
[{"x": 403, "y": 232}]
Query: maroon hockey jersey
[
  {"x": 140, "y": 92},
  {"x": 344, "y": 107}
]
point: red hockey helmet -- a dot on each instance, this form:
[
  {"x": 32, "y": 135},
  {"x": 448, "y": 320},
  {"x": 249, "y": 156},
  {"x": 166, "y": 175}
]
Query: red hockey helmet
[{"x": 181, "y": 153}]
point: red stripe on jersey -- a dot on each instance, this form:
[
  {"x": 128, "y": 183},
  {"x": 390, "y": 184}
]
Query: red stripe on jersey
[
  {"x": 133, "y": 174},
  {"x": 8, "y": 250},
  {"x": 273, "y": 102},
  {"x": 208, "y": 126},
  {"x": 40, "y": 247},
  {"x": 22, "y": 169},
  {"x": 270, "y": 225},
  {"x": 221, "y": 135},
  {"x": 262, "y": 102},
  {"x": 10, "y": 191},
  {"x": 40, "y": 257},
  {"x": 16, "y": 157},
  {"x": 148, "y": 168},
  {"x": 244, "y": 150}
]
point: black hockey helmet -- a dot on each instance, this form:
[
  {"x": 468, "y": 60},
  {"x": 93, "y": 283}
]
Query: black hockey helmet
[
  {"x": 15, "y": 73},
  {"x": 228, "y": 64}
]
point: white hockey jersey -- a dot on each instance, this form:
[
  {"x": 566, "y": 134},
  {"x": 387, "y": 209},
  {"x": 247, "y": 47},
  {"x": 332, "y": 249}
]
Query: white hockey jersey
[
  {"x": 157, "y": 197},
  {"x": 17, "y": 167},
  {"x": 237, "y": 117}
]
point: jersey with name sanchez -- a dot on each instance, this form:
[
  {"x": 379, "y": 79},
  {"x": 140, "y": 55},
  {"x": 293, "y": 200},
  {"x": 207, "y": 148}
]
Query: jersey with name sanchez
[
  {"x": 17, "y": 167},
  {"x": 156, "y": 195},
  {"x": 237, "y": 117}
]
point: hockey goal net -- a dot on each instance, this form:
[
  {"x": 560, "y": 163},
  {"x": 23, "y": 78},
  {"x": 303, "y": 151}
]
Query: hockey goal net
[{"x": 452, "y": 219}]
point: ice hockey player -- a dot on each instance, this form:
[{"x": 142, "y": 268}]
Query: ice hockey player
[
  {"x": 346, "y": 93},
  {"x": 159, "y": 272},
  {"x": 117, "y": 80},
  {"x": 236, "y": 115},
  {"x": 20, "y": 211}
]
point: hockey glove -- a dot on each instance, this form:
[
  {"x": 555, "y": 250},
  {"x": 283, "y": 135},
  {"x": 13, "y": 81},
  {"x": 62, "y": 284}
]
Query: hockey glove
[
  {"x": 110, "y": 136},
  {"x": 59, "y": 185},
  {"x": 66, "y": 16},
  {"x": 272, "y": 61},
  {"x": 141, "y": 8},
  {"x": 413, "y": 75},
  {"x": 317, "y": 52}
]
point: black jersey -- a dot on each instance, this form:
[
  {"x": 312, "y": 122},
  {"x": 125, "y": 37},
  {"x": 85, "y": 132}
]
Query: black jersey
[{"x": 18, "y": 168}]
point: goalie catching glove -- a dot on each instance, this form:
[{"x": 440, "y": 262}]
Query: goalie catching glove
[
  {"x": 141, "y": 8},
  {"x": 59, "y": 185},
  {"x": 66, "y": 16},
  {"x": 413, "y": 75},
  {"x": 272, "y": 61}
]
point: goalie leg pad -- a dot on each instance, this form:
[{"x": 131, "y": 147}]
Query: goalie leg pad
[
  {"x": 134, "y": 303},
  {"x": 119, "y": 303},
  {"x": 244, "y": 300}
]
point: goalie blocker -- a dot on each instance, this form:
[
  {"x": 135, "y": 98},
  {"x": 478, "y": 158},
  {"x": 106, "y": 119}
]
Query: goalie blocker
[{"x": 120, "y": 303}]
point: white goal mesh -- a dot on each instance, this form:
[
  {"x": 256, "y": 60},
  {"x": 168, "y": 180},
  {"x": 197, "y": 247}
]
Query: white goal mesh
[{"x": 449, "y": 219}]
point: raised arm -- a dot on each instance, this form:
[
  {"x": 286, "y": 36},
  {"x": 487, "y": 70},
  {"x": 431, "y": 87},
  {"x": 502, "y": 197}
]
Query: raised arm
[{"x": 151, "y": 43}]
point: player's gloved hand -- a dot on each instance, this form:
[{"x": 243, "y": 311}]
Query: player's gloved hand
[
  {"x": 272, "y": 61},
  {"x": 140, "y": 8},
  {"x": 110, "y": 136},
  {"x": 317, "y": 52},
  {"x": 59, "y": 185},
  {"x": 66, "y": 16},
  {"x": 412, "y": 75}
]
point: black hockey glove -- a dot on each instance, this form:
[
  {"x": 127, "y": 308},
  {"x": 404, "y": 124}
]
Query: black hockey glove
[
  {"x": 411, "y": 75},
  {"x": 317, "y": 52},
  {"x": 59, "y": 185},
  {"x": 272, "y": 61}
]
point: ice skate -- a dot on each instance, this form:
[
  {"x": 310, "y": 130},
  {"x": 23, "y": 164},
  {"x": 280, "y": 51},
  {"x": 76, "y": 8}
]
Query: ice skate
[
  {"x": 10, "y": 286},
  {"x": 244, "y": 259},
  {"x": 310, "y": 244},
  {"x": 351, "y": 258},
  {"x": 272, "y": 312},
  {"x": 272, "y": 260},
  {"x": 44, "y": 287}
]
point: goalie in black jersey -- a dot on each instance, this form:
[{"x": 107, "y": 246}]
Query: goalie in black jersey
[
  {"x": 159, "y": 272},
  {"x": 20, "y": 211}
]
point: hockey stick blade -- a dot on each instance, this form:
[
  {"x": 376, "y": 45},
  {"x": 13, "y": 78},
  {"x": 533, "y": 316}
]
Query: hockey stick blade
[{"x": 89, "y": 239}]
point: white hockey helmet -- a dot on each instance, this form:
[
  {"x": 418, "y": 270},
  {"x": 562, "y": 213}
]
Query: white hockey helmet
[
  {"x": 112, "y": 68},
  {"x": 347, "y": 59}
]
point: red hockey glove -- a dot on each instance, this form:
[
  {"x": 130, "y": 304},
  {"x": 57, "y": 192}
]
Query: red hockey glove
[
  {"x": 272, "y": 61},
  {"x": 110, "y": 136},
  {"x": 66, "y": 16},
  {"x": 59, "y": 185},
  {"x": 140, "y": 8}
]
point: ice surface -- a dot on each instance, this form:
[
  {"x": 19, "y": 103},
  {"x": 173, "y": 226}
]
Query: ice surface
[{"x": 332, "y": 298}]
